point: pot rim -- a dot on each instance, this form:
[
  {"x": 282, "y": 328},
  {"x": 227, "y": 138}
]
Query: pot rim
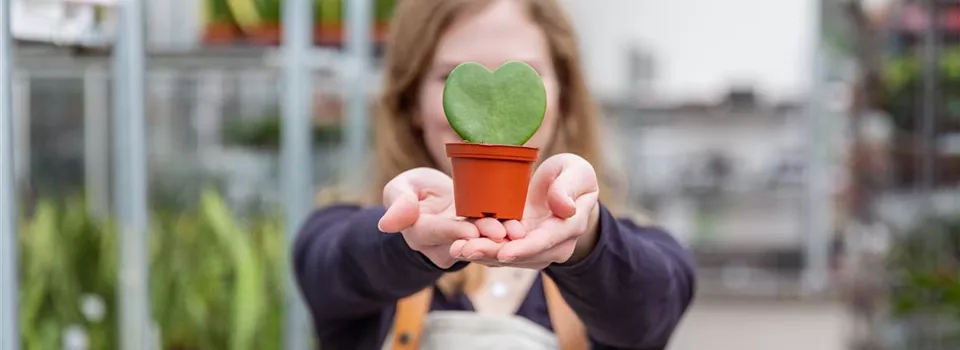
[{"x": 492, "y": 151}]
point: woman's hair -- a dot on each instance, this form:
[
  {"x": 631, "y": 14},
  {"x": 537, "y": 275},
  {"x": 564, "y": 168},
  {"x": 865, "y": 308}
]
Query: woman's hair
[{"x": 417, "y": 26}]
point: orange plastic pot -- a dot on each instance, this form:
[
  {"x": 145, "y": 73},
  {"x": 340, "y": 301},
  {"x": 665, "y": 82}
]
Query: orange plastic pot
[{"x": 491, "y": 180}]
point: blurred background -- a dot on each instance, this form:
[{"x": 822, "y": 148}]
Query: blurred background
[{"x": 806, "y": 151}]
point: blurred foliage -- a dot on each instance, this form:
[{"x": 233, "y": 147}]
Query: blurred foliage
[
  {"x": 253, "y": 12},
  {"x": 215, "y": 280},
  {"x": 903, "y": 84},
  {"x": 925, "y": 265},
  {"x": 266, "y": 132},
  {"x": 217, "y": 11}
]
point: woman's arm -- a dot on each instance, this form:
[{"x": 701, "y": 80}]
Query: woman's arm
[
  {"x": 348, "y": 269},
  {"x": 632, "y": 288}
]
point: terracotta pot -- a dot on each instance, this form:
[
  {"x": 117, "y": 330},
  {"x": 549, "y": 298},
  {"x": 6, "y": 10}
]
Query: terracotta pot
[
  {"x": 223, "y": 33},
  {"x": 268, "y": 33},
  {"x": 328, "y": 34},
  {"x": 333, "y": 33},
  {"x": 491, "y": 180}
]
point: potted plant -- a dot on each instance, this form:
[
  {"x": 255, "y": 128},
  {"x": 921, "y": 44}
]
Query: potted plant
[
  {"x": 221, "y": 28},
  {"x": 925, "y": 284},
  {"x": 329, "y": 22},
  {"x": 495, "y": 113},
  {"x": 259, "y": 20},
  {"x": 900, "y": 97},
  {"x": 328, "y": 26},
  {"x": 216, "y": 276}
]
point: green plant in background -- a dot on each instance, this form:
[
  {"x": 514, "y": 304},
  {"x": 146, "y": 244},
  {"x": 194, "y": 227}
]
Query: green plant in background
[
  {"x": 902, "y": 79},
  {"x": 504, "y": 106},
  {"x": 332, "y": 11},
  {"x": 215, "y": 282},
  {"x": 383, "y": 10},
  {"x": 65, "y": 271},
  {"x": 328, "y": 12},
  {"x": 271, "y": 11},
  {"x": 266, "y": 133},
  {"x": 253, "y": 13},
  {"x": 925, "y": 267},
  {"x": 217, "y": 12}
]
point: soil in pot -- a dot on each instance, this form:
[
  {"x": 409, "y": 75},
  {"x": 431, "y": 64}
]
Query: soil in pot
[{"x": 491, "y": 180}]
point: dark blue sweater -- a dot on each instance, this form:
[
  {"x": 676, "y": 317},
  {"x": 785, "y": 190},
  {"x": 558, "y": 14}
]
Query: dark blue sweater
[{"x": 630, "y": 292}]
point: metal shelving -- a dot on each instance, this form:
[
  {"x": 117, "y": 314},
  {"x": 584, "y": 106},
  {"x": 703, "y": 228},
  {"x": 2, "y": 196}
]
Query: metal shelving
[
  {"x": 130, "y": 61},
  {"x": 9, "y": 300}
]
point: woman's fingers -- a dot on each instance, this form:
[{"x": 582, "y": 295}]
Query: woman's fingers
[
  {"x": 480, "y": 249},
  {"x": 543, "y": 241},
  {"x": 550, "y": 234},
  {"x": 577, "y": 178},
  {"x": 515, "y": 229},
  {"x": 491, "y": 228},
  {"x": 402, "y": 212},
  {"x": 438, "y": 230},
  {"x": 559, "y": 182},
  {"x": 456, "y": 249}
]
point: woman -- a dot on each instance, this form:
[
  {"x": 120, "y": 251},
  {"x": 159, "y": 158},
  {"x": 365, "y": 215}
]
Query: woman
[{"x": 408, "y": 273}]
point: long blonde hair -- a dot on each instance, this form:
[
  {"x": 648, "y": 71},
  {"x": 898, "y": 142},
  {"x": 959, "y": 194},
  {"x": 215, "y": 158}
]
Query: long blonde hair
[{"x": 416, "y": 27}]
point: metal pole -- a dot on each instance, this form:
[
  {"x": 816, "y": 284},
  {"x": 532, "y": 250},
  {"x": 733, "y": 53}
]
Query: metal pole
[
  {"x": 296, "y": 160},
  {"x": 818, "y": 198},
  {"x": 21, "y": 126},
  {"x": 359, "y": 46},
  {"x": 96, "y": 125},
  {"x": 131, "y": 168},
  {"x": 927, "y": 136},
  {"x": 119, "y": 99},
  {"x": 9, "y": 296}
]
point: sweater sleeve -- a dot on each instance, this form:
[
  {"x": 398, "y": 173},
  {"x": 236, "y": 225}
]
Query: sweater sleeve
[
  {"x": 632, "y": 289},
  {"x": 348, "y": 269}
]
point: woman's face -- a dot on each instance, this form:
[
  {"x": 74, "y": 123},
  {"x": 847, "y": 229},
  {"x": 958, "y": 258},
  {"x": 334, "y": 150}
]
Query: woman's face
[{"x": 499, "y": 33}]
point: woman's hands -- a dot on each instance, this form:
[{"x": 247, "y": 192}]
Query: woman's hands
[
  {"x": 420, "y": 206},
  {"x": 559, "y": 223}
]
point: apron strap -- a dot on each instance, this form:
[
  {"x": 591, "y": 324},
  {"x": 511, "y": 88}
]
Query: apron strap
[
  {"x": 412, "y": 312},
  {"x": 408, "y": 321},
  {"x": 571, "y": 334}
]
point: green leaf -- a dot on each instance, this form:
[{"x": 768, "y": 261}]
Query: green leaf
[
  {"x": 505, "y": 106},
  {"x": 249, "y": 288},
  {"x": 215, "y": 277}
]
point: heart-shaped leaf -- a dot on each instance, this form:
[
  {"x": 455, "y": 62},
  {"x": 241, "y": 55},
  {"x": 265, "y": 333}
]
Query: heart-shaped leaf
[{"x": 505, "y": 106}]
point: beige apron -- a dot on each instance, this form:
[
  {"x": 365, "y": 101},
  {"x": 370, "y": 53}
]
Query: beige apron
[
  {"x": 416, "y": 328},
  {"x": 465, "y": 330}
]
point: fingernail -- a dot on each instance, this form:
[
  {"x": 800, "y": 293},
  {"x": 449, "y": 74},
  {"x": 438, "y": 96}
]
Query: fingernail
[
  {"x": 475, "y": 256},
  {"x": 508, "y": 259},
  {"x": 378, "y": 226}
]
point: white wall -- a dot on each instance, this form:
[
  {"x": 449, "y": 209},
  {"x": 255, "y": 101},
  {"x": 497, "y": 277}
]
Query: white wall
[{"x": 701, "y": 46}]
